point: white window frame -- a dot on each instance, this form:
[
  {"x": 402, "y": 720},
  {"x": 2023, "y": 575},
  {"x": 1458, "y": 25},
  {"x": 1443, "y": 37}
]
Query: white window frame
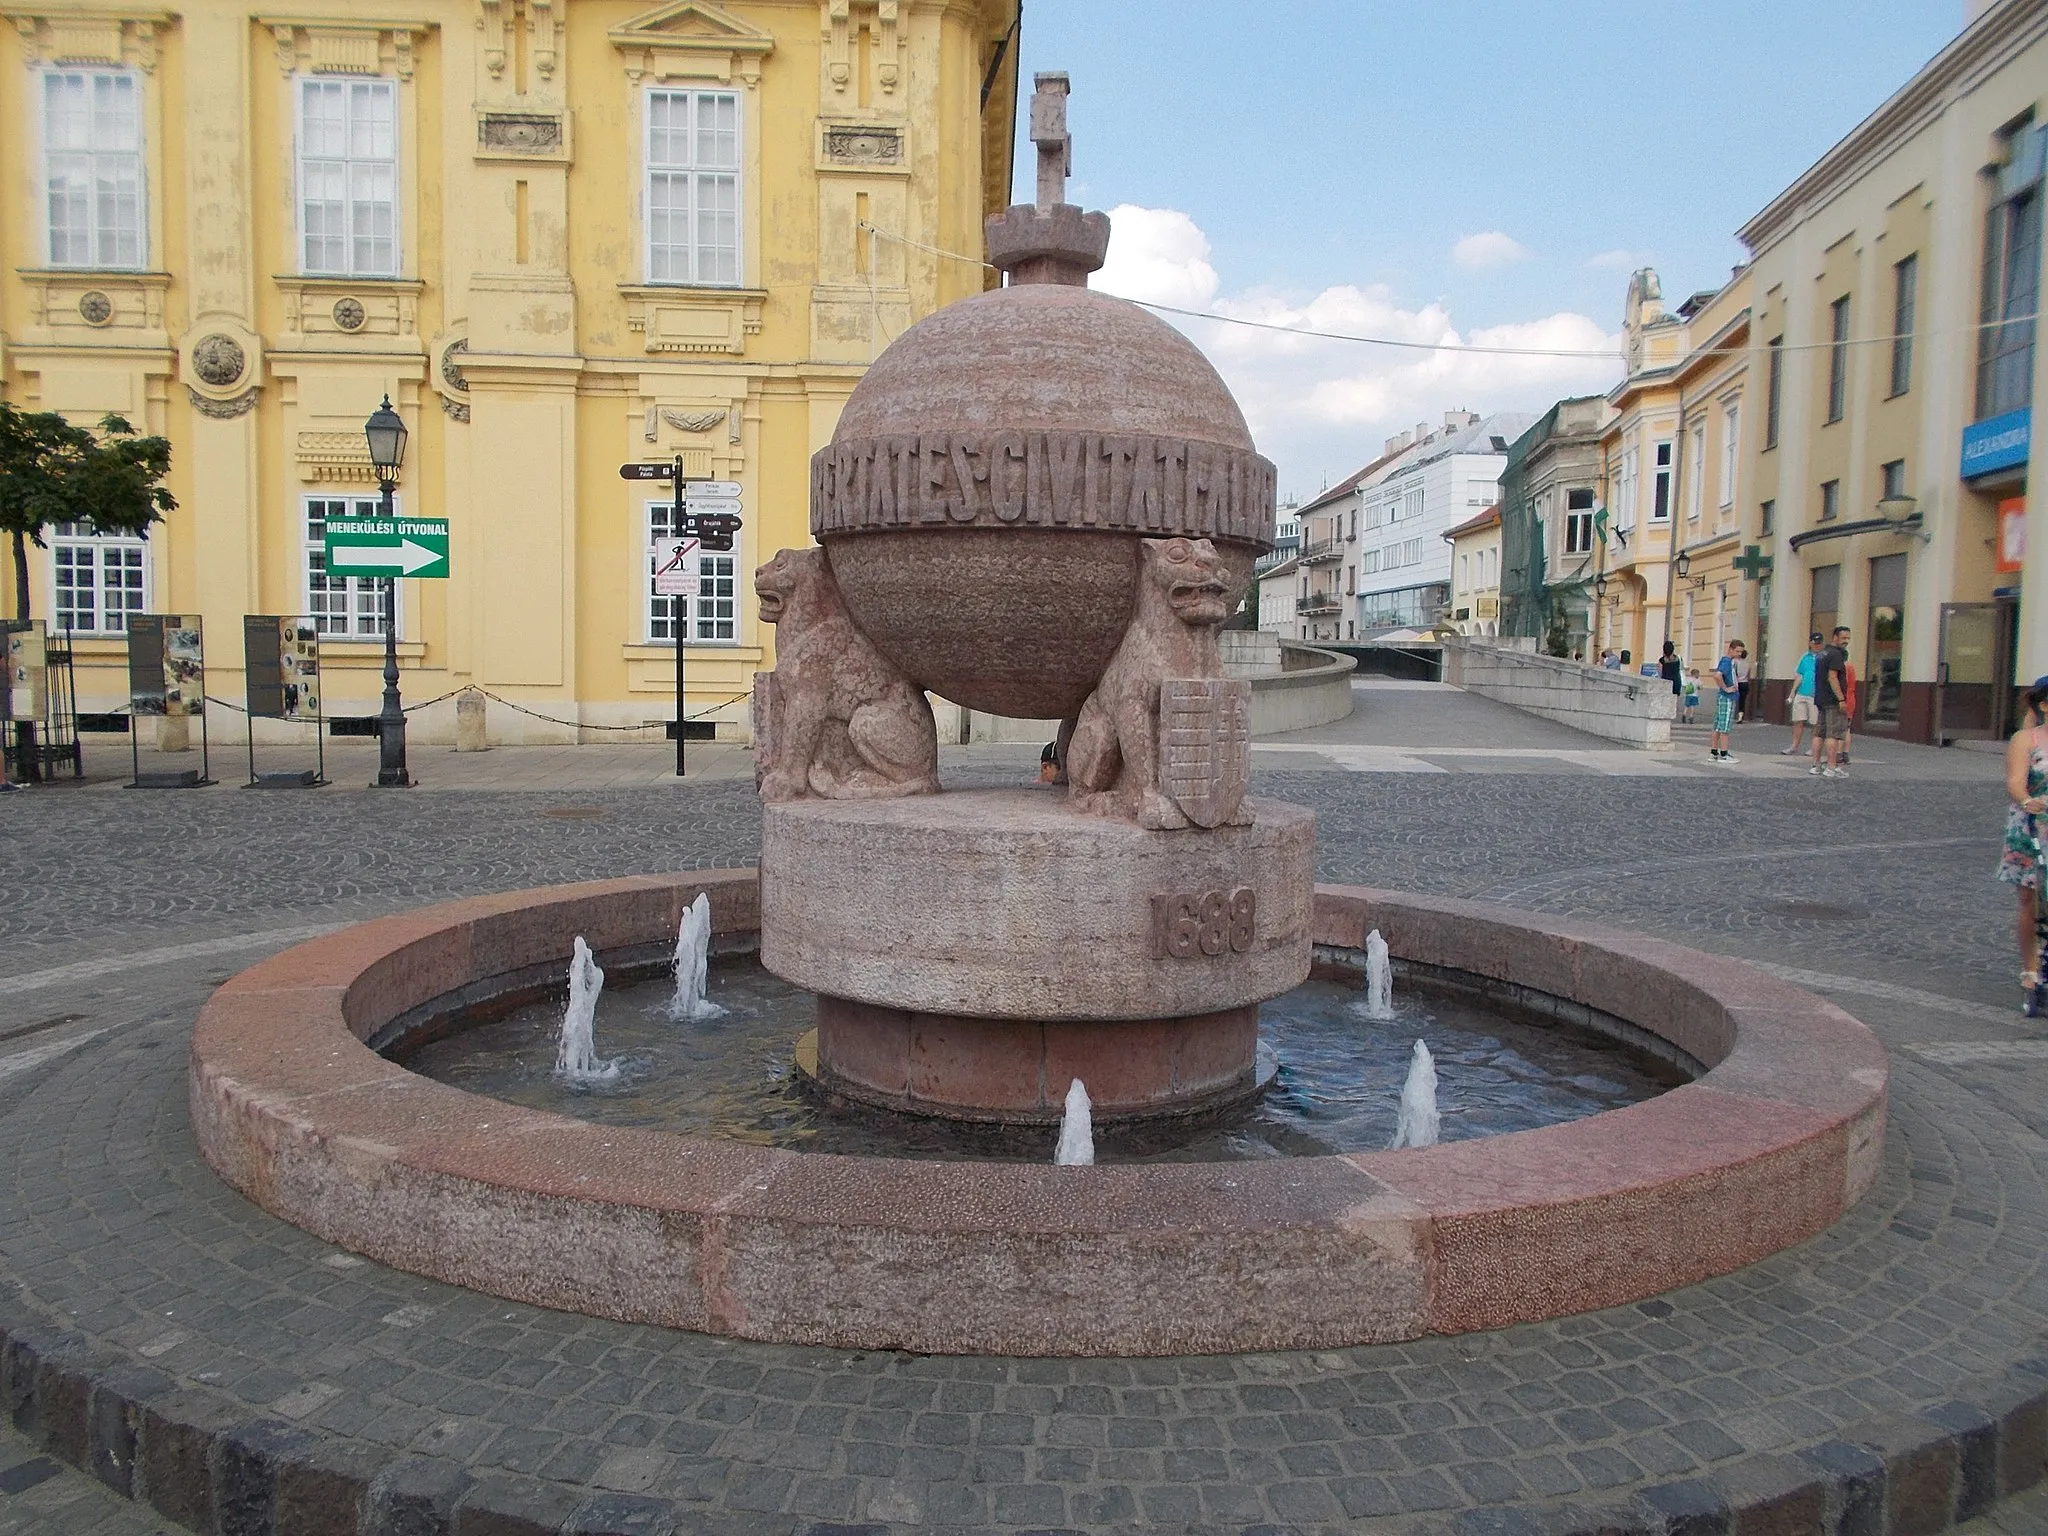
[
  {"x": 659, "y": 272},
  {"x": 95, "y": 235},
  {"x": 71, "y": 541},
  {"x": 1731, "y": 438},
  {"x": 355, "y": 588},
  {"x": 656, "y": 610},
  {"x": 1661, "y": 475},
  {"x": 1696, "y": 476},
  {"x": 302, "y": 86},
  {"x": 1578, "y": 525}
]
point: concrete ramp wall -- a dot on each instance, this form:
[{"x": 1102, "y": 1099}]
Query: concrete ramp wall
[{"x": 1633, "y": 709}]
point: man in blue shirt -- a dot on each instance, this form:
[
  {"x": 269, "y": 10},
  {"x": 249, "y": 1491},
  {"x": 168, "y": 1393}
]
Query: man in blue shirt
[
  {"x": 1729, "y": 689},
  {"x": 1804, "y": 711}
]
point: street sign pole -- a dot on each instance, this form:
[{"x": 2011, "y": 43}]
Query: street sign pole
[
  {"x": 683, "y": 631},
  {"x": 712, "y": 516}
]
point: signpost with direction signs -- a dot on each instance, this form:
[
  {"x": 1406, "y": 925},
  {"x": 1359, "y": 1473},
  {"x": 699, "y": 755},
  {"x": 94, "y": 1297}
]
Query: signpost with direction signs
[
  {"x": 706, "y": 517},
  {"x": 388, "y": 546}
]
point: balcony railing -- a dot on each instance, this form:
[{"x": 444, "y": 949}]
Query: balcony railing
[
  {"x": 1320, "y": 602},
  {"x": 1322, "y": 551}
]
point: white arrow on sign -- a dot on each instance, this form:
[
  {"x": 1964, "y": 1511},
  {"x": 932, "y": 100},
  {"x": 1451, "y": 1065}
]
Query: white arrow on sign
[
  {"x": 408, "y": 557},
  {"x": 711, "y": 490}
]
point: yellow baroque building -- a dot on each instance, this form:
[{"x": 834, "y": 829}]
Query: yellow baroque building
[{"x": 561, "y": 235}]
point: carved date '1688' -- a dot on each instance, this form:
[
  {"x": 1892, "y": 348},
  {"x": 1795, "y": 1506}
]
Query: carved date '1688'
[{"x": 1206, "y": 923}]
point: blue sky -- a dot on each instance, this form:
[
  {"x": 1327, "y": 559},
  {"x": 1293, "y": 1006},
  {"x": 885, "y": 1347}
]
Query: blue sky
[{"x": 1315, "y": 162}]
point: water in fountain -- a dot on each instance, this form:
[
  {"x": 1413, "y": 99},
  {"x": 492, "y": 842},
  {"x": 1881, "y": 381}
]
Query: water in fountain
[
  {"x": 1076, "y": 1147},
  {"x": 1418, "y": 1122},
  {"x": 576, "y": 1059},
  {"x": 1379, "y": 978},
  {"x": 693, "y": 961}
]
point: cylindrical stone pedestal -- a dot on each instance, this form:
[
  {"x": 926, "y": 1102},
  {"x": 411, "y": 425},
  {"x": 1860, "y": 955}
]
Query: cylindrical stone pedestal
[{"x": 974, "y": 952}]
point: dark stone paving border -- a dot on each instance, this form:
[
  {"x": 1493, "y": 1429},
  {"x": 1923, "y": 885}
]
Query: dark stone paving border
[{"x": 197, "y": 1457}]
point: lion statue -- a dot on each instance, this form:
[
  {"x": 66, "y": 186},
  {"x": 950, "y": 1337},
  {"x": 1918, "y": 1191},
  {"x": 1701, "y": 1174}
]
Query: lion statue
[
  {"x": 1163, "y": 740},
  {"x": 834, "y": 719}
]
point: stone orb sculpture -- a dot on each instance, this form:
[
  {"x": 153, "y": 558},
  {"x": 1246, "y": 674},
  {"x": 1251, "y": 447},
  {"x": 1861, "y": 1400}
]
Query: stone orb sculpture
[{"x": 993, "y": 474}]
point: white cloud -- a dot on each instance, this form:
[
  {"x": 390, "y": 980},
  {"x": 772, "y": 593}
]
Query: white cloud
[
  {"x": 1479, "y": 253},
  {"x": 1619, "y": 259},
  {"x": 1322, "y": 408},
  {"x": 1160, "y": 255}
]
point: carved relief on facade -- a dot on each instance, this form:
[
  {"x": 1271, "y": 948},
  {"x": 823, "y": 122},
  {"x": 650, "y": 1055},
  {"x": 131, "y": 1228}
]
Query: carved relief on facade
[
  {"x": 359, "y": 313},
  {"x": 688, "y": 320},
  {"x": 692, "y": 40},
  {"x": 841, "y": 23},
  {"x": 221, "y": 361},
  {"x": 113, "y": 36},
  {"x": 322, "y": 47},
  {"x": 66, "y": 305},
  {"x": 862, "y": 146},
  {"x": 522, "y": 135}
]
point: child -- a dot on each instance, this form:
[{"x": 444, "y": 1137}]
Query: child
[
  {"x": 1727, "y": 691},
  {"x": 1692, "y": 693}
]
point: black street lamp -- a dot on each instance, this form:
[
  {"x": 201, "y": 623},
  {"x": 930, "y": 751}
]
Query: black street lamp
[{"x": 386, "y": 431}]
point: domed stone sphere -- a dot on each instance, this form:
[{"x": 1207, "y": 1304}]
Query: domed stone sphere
[{"x": 983, "y": 497}]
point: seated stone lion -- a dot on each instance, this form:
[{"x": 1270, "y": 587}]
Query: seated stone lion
[
  {"x": 1119, "y": 761},
  {"x": 834, "y": 719}
]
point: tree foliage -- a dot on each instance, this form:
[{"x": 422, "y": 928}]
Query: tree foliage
[{"x": 54, "y": 472}]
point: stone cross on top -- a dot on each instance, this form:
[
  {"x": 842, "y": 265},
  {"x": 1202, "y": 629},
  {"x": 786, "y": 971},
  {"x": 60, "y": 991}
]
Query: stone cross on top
[
  {"x": 1049, "y": 133},
  {"x": 1049, "y": 241}
]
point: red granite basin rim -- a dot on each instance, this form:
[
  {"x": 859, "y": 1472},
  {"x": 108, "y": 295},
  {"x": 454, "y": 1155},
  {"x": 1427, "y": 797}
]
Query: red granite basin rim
[{"x": 1780, "y": 1135}]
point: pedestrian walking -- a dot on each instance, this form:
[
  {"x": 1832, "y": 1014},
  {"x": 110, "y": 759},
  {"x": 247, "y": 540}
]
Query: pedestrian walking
[
  {"x": 1726, "y": 691},
  {"x": 2026, "y": 781},
  {"x": 1831, "y": 695},
  {"x": 1804, "y": 711},
  {"x": 1692, "y": 693},
  {"x": 1741, "y": 682}
]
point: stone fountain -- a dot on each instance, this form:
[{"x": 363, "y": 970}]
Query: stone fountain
[{"x": 1041, "y": 502}]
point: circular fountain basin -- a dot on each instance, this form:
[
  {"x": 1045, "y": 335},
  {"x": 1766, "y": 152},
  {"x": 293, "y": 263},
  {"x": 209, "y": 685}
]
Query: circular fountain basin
[{"x": 1780, "y": 1134}]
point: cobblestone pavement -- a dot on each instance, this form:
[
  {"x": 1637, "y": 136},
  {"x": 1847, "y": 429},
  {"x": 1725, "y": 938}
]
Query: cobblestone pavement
[{"x": 121, "y": 911}]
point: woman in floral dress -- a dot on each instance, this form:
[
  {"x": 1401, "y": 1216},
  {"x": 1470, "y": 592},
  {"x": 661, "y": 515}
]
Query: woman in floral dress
[{"x": 2026, "y": 780}]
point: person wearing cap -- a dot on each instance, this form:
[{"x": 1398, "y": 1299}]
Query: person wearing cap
[
  {"x": 2026, "y": 780},
  {"x": 1804, "y": 711}
]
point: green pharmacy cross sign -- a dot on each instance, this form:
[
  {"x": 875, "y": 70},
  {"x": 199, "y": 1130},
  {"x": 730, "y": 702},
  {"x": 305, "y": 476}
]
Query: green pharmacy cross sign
[
  {"x": 1753, "y": 563},
  {"x": 388, "y": 546}
]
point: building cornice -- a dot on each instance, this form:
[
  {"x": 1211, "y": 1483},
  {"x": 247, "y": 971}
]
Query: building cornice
[{"x": 1986, "y": 44}]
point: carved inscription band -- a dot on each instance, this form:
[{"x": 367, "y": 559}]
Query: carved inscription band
[{"x": 1116, "y": 483}]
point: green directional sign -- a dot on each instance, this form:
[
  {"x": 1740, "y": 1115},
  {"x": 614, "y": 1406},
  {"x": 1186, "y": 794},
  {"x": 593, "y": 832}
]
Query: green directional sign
[{"x": 388, "y": 546}]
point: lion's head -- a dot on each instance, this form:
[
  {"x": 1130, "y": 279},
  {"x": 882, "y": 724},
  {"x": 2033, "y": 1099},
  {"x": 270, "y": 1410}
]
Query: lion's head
[
  {"x": 796, "y": 580},
  {"x": 1193, "y": 577}
]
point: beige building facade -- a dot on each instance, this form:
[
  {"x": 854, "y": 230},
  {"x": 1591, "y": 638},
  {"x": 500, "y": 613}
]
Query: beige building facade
[
  {"x": 1475, "y": 574},
  {"x": 1719, "y": 587},
  {"x": 561, "y": 238},
  {"x": 1893, "y": 289}
]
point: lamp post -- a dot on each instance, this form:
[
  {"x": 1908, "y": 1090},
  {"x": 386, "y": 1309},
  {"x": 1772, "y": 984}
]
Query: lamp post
[
  {"x": 386, "y": 432},
  {"x": 1598, "y": 638}
]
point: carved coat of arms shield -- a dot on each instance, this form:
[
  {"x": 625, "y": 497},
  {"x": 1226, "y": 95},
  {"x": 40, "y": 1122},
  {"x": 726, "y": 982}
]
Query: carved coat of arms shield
[{"x": 1205, "y": 746}]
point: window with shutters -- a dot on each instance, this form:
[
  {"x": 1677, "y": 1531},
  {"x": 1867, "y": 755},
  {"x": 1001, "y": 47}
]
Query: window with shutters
[
  {"x": 92, "y": 169},
  {"x": 692, "y": 192}
]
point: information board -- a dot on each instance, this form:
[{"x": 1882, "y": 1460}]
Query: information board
[
  {"x": 282, "y": 657},
  {"x": 166, "y": 664}
]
